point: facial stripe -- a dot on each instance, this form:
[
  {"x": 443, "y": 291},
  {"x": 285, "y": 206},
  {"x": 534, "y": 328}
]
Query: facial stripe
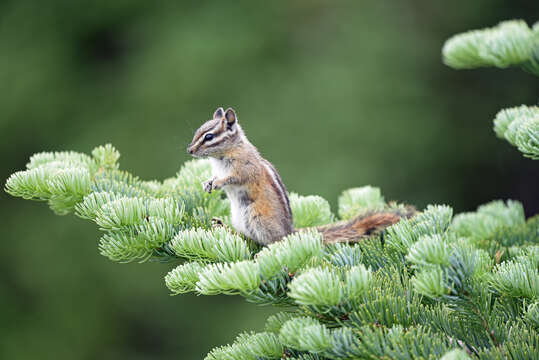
[
  {"x": 199, "y": 140},
  {"x": 218, "y": 128},
  {"x": 210, "y": 125},
  {"x": 216, "y": 140}
]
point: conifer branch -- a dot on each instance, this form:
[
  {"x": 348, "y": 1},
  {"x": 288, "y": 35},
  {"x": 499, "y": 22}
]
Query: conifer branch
[
  {"x": 510, "y": 43},
  {"x": 432, "y": 286},
  {"x": 428, "y": 285},
  {"x": 520, "y": 127}
]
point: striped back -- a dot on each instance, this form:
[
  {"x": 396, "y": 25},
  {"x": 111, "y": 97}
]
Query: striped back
[{"x": 279, "y": 188}]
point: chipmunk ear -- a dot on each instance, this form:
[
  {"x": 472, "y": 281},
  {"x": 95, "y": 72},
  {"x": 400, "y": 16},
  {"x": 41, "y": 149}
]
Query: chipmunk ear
[
  {"x": 230, "y": 116},
  {"x": 218, "y": 114}
]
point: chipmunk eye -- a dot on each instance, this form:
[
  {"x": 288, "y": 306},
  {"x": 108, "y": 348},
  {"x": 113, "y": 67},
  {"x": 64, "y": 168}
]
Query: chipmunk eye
[{"x": 208, "y": 137}]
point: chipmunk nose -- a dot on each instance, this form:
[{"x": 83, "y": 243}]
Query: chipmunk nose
[{"x": 189, "y": 150}]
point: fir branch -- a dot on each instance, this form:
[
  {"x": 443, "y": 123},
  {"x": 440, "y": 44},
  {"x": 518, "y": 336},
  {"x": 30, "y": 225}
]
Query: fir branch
[
  {"x": 374, "y": 299},
  {"x": 229, "y": 278},
  {"x": 183, "y": 278},
  {"x": 210, "y": 246},
  {"x": 292, "y": 252},
  {"x": 509, "y": 43},
  {"x": 358, "y": 200},
  {"x": 520, "y": 127},
  {"x": 310, "y": 211}
]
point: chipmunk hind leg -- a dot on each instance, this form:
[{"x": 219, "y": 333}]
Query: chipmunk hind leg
[{"x": 263, "y": 232}]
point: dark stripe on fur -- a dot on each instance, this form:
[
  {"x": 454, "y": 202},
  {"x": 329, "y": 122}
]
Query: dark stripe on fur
[
  {"x": 219, "y": 141},
  {"x": 281, "y": 185},
  {"x": 286, "y": 224}
]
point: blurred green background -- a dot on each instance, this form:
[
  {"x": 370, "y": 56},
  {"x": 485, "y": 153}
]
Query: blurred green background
[{"x": 335, "y": 94}]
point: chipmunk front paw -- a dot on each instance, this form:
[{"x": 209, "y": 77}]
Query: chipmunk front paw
[{"x": 208, "y": 185}]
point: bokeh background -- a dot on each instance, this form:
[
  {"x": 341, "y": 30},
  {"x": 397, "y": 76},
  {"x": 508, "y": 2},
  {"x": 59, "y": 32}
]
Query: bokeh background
[{"x": 335, "y": 94}]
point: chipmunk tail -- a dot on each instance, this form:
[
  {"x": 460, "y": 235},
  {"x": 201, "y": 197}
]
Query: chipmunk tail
[{"x": 365, "y": 225}]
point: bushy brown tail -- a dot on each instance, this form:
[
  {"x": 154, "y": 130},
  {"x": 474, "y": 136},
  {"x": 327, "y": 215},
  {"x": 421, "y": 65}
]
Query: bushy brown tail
[{"x": 362, "y": 226}]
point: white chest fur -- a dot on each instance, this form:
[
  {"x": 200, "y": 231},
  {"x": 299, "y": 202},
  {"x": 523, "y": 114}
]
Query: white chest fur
[
  {"x": 219, "y": 168},
  {"x": 238, "y": 209}
]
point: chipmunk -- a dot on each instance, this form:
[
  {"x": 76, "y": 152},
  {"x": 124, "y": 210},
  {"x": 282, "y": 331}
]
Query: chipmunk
[{"x": 260, "y": 208}]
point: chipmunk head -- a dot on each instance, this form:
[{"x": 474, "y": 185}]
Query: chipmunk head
[{"x": 216, "y": 136}]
